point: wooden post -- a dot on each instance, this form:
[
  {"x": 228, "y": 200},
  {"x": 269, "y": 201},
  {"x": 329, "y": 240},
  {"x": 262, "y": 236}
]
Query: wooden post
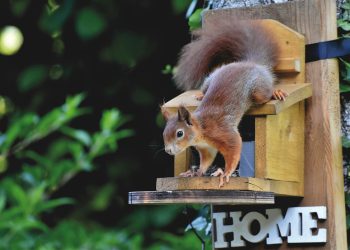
[{"x": 316, "y": 19}]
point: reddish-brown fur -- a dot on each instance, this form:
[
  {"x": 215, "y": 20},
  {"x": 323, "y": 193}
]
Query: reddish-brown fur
[
  {"x": 232, "y": 60},
  {"x": 223, "y": 41}
]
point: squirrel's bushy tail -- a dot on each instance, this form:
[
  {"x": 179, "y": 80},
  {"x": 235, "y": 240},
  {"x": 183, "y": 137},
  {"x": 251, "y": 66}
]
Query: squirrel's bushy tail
[{"x": 222, "y": 42}]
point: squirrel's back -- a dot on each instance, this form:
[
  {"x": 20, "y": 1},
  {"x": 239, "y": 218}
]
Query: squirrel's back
[{"x": 223, "y": 41}]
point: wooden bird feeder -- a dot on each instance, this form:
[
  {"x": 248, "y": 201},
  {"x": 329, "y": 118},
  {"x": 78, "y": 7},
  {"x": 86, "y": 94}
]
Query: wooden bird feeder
[
  {"x": 279, "y": 137},
  {"x": 279, "y": 129}
]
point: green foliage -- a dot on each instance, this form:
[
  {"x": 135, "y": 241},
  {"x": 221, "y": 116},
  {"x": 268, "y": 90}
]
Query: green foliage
[
  {"x": 19, "y": 7},
  {"x": 127, "y": 49},
  {"x": 179, "y": 6},
  {"x": 72, "y": 47},
  {"x": 184, "y": 242},
  {"x": 73, "y": 235},
  {"x": 195, "y": 20},
  {"x": 344, "y": 20},
  {"x": 54, "y": 16},
  {"x": 89, "y": 23},
  {"x": 32, "y": 77},
  {"x": 26, "y": 195}
]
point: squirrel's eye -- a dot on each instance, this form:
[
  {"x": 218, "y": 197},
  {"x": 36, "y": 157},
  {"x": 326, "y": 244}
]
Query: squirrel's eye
[{"x": 179, "y": 134}]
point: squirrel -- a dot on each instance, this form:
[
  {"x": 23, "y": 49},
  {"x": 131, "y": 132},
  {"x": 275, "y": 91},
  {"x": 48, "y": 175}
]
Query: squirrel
[{"x": 232, "y": 62}]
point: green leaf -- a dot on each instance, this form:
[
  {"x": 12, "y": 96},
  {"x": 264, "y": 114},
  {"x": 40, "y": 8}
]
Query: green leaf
[
  {"x": 78, "y": 134},
  {"x": 48, "y": 205},
  {"x": 344, "y": 25},
  {"x": 36, "y": 194},
  {"x": 2, "y": 200},
  {"x": 345, "y": 142},
  {"x": 345, "y": 6},
  {"x": 32, "y": 77},
  {"x": 53, "y": 18},
  {"x": 195, "y": 20},
  {"x": 344, "y": 88},
  {"x": 16, "y": 193},
  {"x": 19, "y": 129},
  {"x": 110, "y": 119},
  {"x": 3, "y": 163},
  {"x": 348, "y": 222},
  {"x": 347, "y": 198},
  {"x": 179, "y": 6},
  {"x": 89, "y": 23},
  {"x": 142, "y": 97},
  {"x": 168, "y": 70},
  {"x": 19, "y": 7},
  {"x": 103, "y": 197},
  {"x": 128, "y": 48},
  {"x": 125, "y": 133}
]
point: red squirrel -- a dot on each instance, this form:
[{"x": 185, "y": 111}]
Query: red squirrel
[{"x": 232, "y": 62}]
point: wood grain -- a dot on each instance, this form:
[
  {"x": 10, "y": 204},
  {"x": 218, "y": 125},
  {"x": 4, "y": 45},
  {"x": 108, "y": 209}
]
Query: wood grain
[
  {"x": 221, "y": 197},
  {"x": 285, "y": 144},
  {"x": 316, "y": 19},
  {"x": 279, "y": 188},
  {"x": 182, "y": 162}
]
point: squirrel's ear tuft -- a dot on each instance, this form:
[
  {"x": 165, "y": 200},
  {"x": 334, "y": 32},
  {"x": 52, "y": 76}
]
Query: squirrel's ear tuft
[
  {"x": 165, "y": 113},
  {"x": 184, "y": 115}
]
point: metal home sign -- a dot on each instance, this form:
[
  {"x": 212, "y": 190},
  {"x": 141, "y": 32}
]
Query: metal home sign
[{"x": 299, "y": 225}]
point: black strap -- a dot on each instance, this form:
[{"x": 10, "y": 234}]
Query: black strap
[{"x": 327, "y": 50}]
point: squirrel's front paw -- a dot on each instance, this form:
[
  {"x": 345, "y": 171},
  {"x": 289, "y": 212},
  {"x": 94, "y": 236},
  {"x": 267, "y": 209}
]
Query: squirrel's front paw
[
  {"x": 223, "y": 176},
  {"x": 188, "y": 173},
  {"x": 279, "y": 94},
  {"x": 192, "y": 173},
  {"x": 219, "y": 172}
]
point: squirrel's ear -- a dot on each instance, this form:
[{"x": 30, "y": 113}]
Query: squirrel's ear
[
  {"x": 184, "y": 115},
  {"x": 165, "y": 113}
]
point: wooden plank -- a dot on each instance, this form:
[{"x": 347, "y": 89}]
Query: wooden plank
[
  {"x": 316, "y": 19},
  {"x": 221, "y": 197},
  {"x": 285, "y": 144},
  {"x": 182, "y": 162},
  {"x": 292, "y": 45},
  {"x": 288, "y": 65},
  {"x": 297, "y": 93},
  {"x": 279, "y": 188}
]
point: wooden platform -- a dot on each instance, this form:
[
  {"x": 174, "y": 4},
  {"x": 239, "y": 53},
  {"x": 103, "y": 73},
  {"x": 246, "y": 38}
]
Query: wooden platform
[
  {"x": 216, "y": 197},
  {"x": 296, "y": 93},
  {"x": 279, "y": 188}
]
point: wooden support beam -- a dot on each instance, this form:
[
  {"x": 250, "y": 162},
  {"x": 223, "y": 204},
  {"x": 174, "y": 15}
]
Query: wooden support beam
[
  {"x": 324, "y": 185},
  {"x": 222, "y": 197}
]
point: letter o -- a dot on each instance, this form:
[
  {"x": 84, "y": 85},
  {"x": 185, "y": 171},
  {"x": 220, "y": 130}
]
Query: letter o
[{"x": 247, "y": 221}]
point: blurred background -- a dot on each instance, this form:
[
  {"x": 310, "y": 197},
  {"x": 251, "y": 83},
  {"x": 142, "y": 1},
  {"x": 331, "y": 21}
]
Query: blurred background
[
  {"x": 81, "y": 84},
  {"x": 80, "y": 88}
]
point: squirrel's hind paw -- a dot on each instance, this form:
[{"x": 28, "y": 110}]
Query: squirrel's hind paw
[{"x": 198, "y": 96}]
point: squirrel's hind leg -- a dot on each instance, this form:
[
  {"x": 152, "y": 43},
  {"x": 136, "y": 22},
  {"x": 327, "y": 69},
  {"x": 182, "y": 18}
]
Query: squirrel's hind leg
[{"x": 262, "y": 92}]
